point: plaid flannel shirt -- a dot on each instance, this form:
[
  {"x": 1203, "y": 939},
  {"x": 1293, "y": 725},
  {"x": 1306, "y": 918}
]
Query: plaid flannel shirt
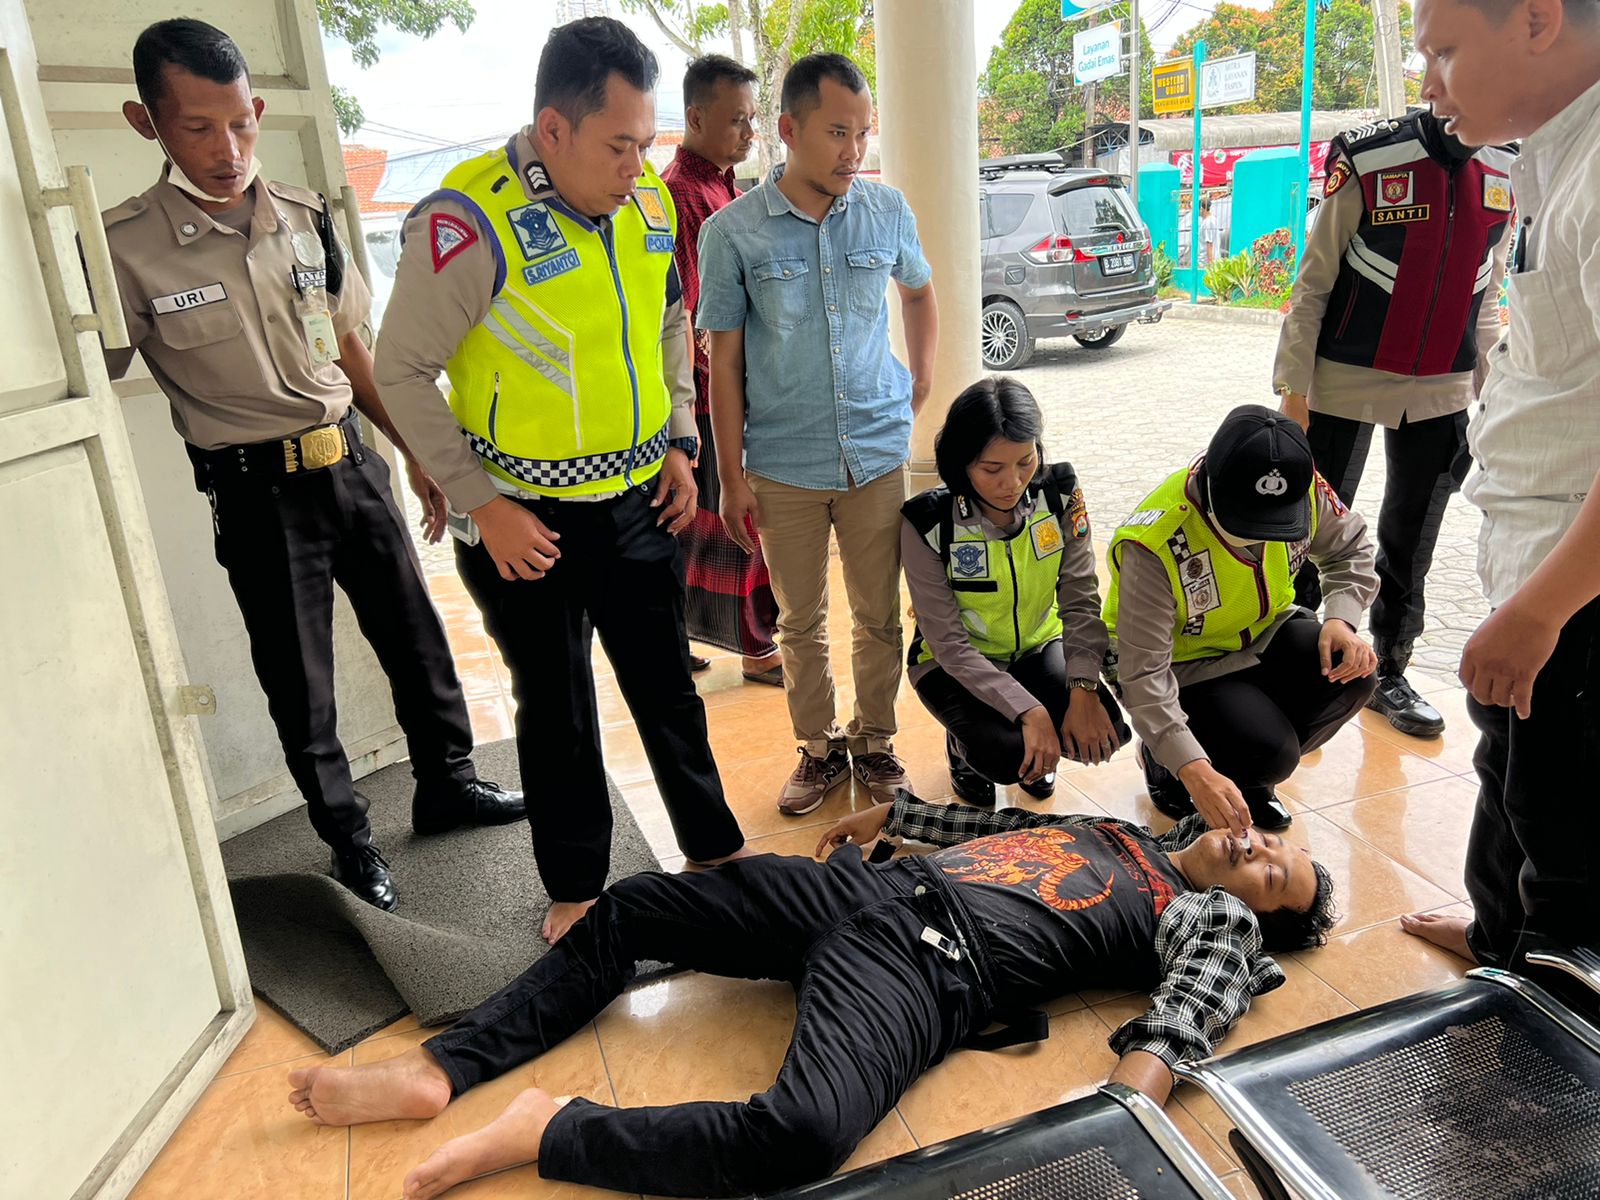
[{"x": 1208, "y": 943}]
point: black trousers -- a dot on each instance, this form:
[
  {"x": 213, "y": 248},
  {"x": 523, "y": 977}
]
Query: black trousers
[
  {"x": 621, "y": 575},
  {"x": 991, "y": 744},
  {"x": 876, "y": 1007},
  {"x": 1425, "y": 465},
  {"x": 1255, "y": 724},
  {"x": 285, "y": 540},
  {"x": 1532, "y": 872}
]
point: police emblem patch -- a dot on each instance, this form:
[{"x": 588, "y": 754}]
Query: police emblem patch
[
  {"x": 448, "y": 236},
  {"x": 1199, "y": 585},
  {"x": 970, "y": 559},
  {"x": 1497, "y": 193},
  {"x": 1046, "y": 536},
  {"x": 651, "y": 208},
  {"x": 1337, "y": 178},
  {"x": 1394, "y": 189},
  {"x": 536, "y": 230},
  {"x": 1078, "y": 514}
]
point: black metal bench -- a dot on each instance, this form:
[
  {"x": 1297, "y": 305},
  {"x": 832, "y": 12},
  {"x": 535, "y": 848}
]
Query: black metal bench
[
  {"x": 1488, "y": 1089},
  {"x": 1114, "y": 1145}
]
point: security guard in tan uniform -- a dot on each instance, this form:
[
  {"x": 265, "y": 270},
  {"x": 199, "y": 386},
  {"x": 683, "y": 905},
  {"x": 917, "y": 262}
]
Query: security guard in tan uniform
[
  {"x": 237, "y": 292},
  {"x": 540, "y": 277}
]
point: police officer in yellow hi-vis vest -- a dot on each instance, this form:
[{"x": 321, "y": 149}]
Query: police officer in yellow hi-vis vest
[
  {"x": 237, "y": 293},
  {"x": 540, "y": 278},
  {"x": 1226, "y": 680}
]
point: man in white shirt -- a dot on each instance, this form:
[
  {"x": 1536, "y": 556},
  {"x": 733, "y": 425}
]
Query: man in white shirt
[{"x": 1499, "y": 70}]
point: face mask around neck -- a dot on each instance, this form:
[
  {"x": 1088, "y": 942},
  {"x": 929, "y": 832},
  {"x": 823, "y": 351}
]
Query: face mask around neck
[{"x": 183, "y": 183}]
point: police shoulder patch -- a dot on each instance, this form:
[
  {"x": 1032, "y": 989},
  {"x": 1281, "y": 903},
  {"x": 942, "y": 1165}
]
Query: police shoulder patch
[
  {"x": 448, "y": 236},
  {"x": 1337, "y": 177},
  {"x": 1325, "y": 490},
  {"x": 1078, "y": 514}
]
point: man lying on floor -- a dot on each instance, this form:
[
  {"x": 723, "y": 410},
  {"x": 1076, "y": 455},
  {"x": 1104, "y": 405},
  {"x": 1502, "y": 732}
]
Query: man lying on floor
[{"x": 894, "y": 965}]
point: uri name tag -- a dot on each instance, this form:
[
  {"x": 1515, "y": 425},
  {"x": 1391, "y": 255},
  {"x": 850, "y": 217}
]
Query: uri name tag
[{"x": 194, "y": 298}]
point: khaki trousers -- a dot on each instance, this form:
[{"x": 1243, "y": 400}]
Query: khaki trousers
[{"x": 795, "y": 523}]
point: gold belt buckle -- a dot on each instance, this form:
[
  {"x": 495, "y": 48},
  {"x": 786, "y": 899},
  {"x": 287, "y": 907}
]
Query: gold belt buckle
[{"x": 321, "y": 448}]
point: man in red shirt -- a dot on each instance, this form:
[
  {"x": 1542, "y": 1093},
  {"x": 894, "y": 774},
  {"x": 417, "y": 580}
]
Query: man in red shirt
[{"x": 730, "y": 601}]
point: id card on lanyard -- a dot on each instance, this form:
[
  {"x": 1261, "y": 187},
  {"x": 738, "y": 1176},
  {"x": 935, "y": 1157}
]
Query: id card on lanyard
[{"x": 309, "y": 276}]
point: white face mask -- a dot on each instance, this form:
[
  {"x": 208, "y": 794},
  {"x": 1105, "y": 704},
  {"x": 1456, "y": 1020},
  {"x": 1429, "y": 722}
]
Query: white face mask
[
  {"x": 1238, "y": 543},
  {"x": 183, "y": 183}
]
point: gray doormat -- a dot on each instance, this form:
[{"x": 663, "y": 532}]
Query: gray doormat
[{"x": 468, "y": 923}]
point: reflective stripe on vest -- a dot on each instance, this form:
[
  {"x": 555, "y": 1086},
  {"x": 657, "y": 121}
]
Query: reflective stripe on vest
[
  {"x": 1223, "y": 601},
  {"x": 560, "y": 388}
]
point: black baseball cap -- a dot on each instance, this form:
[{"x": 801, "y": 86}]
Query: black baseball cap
[{"x": 1258, "y": 476}]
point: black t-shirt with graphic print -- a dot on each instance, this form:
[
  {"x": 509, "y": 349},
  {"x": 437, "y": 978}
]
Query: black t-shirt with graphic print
[{"x": 1066, "y": 906}]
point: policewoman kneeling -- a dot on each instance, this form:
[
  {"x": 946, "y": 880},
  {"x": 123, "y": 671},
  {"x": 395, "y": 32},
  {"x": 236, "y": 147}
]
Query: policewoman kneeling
[{"x": 1009, "y": 640}]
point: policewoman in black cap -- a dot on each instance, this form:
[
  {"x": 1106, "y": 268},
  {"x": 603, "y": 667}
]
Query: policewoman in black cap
[{"x": 1225, "y": 679}]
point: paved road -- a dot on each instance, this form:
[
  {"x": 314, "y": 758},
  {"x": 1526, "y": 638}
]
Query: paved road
[{"x": 1128, "y": 416}]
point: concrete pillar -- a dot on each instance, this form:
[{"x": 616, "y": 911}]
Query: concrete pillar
[{"x": 928, "y": 119}]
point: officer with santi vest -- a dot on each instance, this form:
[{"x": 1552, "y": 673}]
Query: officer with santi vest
[
  {"x": 540, "y": 278},
  {"x": 1389, "y": 325},
  {"x": 1226, "y": 680},
  {"x": 237, "y": 293}
]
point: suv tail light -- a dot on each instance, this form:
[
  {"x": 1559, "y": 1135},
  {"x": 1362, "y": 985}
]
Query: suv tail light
[{"x": 1055, "y": 248}]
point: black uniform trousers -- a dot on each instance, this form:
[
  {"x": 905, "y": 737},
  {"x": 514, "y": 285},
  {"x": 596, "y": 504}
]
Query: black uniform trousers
[
  {"x": 1425, "y": 463},
  {"x": 990, "y": 742},
  {"x": 622, "y": 575},
  {"x": 285, "y": 540},
  {"x": 875, "y": 1007},
  {"x": 1532, "y": 872},
  {"x": 1256, "y": 724}
]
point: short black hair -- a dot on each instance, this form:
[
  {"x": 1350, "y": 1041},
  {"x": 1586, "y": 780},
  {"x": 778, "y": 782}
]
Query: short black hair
[
  {"x": 802, "y": 83},
  {"x": 580, "y": 57},
  {"x": 703, "y": 74},
  {"x": 1284, "y": 929},
  {"x": 198, "y": 48},
  {"x": 997, "y": 406},
  {"x": 1205, "y": 204}
]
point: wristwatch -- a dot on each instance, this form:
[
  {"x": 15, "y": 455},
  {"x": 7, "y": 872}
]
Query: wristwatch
[
  {"x": 1088, "y": 685},
  {"x": 689, "y": 445}
]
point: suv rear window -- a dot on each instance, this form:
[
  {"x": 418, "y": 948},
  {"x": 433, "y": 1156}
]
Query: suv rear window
[
  {"x": 1094, "y": 209},
  {"x": 1007, "y": 211}
]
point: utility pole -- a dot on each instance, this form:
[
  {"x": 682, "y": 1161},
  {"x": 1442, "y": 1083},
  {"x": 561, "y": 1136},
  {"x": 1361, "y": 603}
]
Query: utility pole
[
  {"x": 1133, "y": 103},
  {"x": 1086, "y": 147},
  {"x": 1195, "y": 173},
  {"x": 1309, "y": 71},
  {"x": 1388, "y": 63}
]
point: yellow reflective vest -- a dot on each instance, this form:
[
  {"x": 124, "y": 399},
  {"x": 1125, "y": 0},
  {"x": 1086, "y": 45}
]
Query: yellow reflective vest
[
  {"x": 1224, "y": 600},
  {"x": 560, "y": 388}
]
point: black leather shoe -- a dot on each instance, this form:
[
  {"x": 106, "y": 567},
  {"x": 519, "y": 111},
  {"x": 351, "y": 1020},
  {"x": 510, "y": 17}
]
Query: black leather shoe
[
  {"x": 698, "y": 663},
  {"x": 1270, "y": 815},
  {"x": 1406, "y": 711},
  {"x": 1166, "y": 792},
  {"x": 964, "y": 781},
  {"x": 366, "y": 873},
  {"x": 1041, "y": 788},
  {"x": 441, "y": 807}
]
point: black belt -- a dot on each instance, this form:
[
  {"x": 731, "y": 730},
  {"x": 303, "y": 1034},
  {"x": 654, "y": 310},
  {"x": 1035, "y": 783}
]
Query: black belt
[{"x": 314, "y": 450}]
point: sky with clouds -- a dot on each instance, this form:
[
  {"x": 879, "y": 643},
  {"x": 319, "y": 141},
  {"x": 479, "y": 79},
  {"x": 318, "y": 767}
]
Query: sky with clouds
[{"x": 477, "y": 85}]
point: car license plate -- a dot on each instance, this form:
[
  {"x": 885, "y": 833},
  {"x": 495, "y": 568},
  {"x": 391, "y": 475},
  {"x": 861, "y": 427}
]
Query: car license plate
[{"x": 1116, "y": 264}]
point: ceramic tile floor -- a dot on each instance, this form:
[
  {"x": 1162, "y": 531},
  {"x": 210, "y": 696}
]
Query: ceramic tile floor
[{"x": 1388, "y": 814}]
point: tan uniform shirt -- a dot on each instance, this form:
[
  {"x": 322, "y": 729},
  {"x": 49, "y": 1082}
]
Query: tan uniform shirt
[
  {"x": 1083, "y": 633},
  {"x": 1146, "y": 610},
  {"x": 430, "y": 312},
  {"x": 216, "y": 314},
  {"x": 1366, "y": 393}
]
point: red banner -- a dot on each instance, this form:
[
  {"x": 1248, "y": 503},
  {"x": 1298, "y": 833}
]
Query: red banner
[{"x": 1216, "y": 166}]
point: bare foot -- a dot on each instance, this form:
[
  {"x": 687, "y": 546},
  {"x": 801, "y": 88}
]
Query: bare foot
[
  {"x": 741, "y": 852},
  {"x": 563, "y": 915},
  {"x": 1448, "y": 933},
  {"x": 410, "y": 1085},
  {"x": 510, "y": 1140}
]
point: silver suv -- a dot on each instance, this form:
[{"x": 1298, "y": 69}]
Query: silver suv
[{"x": 1064, "y": 255}]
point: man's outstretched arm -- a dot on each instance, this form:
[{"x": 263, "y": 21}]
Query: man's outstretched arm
[
  {"x": 1144, "y": 1072},
  {"x": 938, "y": 824}
]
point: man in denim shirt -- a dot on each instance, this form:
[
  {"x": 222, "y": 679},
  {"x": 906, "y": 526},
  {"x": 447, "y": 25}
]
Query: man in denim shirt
[{"x": 793, "y": 278}]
